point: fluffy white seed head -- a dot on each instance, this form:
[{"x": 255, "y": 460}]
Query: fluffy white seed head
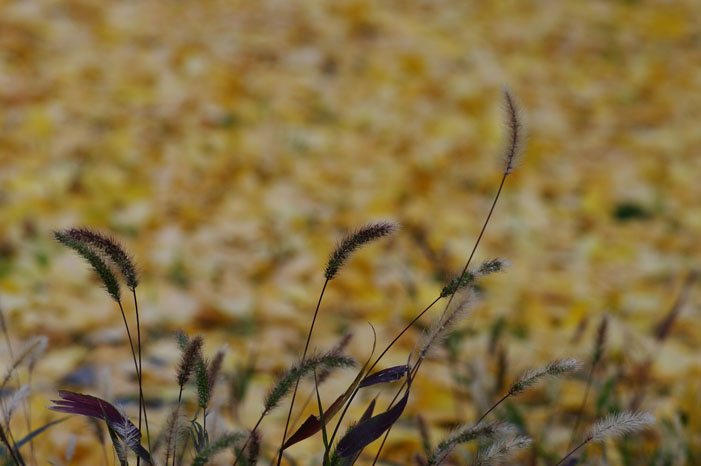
[{"x": 620, "y": 424}]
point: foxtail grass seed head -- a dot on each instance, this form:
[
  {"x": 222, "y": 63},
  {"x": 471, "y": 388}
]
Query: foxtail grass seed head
[
  {"x": 129, "y": 434},
  {"x": 93, "y": 258},
  {"x": 215, "y": 368},
  {"x": 492, "y": 266},
  {"x": 600, "y": 340},
  {"x": 500, "y": 451},
  {"x": 469, "y": 277},
  {"x": 354, "y": 241},
  {"x": 182, "y": 339},
  {"x": 617, "y": 425},
  {"x": 253, "y": 448},
  {"x": 111, "y": 248},
  {"x": 553, "y": 369},
  {"x": 17, "y": 398},
  {"x": 286, "y": 382},
  {"x": 439, "y": 330},
  {"x": 202, "y": 381},
  {"x": 188, "y": 360},
  {"x": 465, "y": 434},
  {"x": 515, "y": 133},
  {"x": 214, "y": 447}
]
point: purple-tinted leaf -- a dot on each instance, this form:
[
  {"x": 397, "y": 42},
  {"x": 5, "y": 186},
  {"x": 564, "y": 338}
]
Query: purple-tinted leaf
[
  {"x": 313, "y": 424},
  {"x": 86, "y": 405},
  {"x": 368, "y": 411},
  {"x": 350, "y": 460},
  {"x": 370, "y": 430},
  {"x": 384, "y": 376}
]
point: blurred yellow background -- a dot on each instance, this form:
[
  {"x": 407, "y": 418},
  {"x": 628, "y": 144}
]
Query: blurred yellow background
[{"x": 230, "y": 144}]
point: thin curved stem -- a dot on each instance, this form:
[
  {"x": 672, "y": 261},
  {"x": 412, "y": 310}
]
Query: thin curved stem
[
  {"x": 245, "y": 444},
  {"x": 494, "y": 406},
  {"x": 464, "y": 270},
  {"x": 142, "y": 401},
  {"x": 587, "y": 440},
  {"x": 136, "y": 364},
  {"x": 175, "y": 439},
  {"x": 304, "y": 355}
]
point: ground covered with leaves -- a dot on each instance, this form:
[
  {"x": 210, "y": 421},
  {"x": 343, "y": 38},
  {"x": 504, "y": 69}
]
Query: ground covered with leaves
[{"x": 231, "y": 144}]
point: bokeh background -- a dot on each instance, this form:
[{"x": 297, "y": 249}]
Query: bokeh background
[{"x": 230, "y": 144}]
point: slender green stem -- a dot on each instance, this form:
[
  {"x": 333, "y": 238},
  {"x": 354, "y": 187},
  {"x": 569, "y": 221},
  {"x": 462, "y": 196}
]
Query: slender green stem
[
  {"x": 136, "y": 364},
  {"x": 587, "y": 440},
  {"x": 142, "y": 401},
  {"x": 324, "y": 434},
  {"x": 304, "y": 355},
  {"x": 245, "y": 444},
  {"x": 494, "y": 406},
  {"x": 204, "y": 425},
  {"x": 175, "y": 440}
]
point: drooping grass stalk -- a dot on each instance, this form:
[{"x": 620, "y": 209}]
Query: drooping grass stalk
[
  {"x": 136, "y": 366},
  {"x": 462, "y": 277},
  {"x": 343, "y": 251},
  {"x": 512, "y": 151},
  {"x": 614, "y": 425},
  {"x": 95, "y": 247},
  {"x": 596, "y": 357}
]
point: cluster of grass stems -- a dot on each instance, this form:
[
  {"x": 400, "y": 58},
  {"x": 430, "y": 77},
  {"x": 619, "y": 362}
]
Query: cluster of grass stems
[{"x": 186, "y": 437}]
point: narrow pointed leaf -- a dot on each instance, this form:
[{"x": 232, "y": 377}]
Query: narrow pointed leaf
[
  {"x": 30, "y": 436},
  {"x": 350, "y": 460},
  {"x": 368, "y": 431},
  {"x": 385, "y": 376}
]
